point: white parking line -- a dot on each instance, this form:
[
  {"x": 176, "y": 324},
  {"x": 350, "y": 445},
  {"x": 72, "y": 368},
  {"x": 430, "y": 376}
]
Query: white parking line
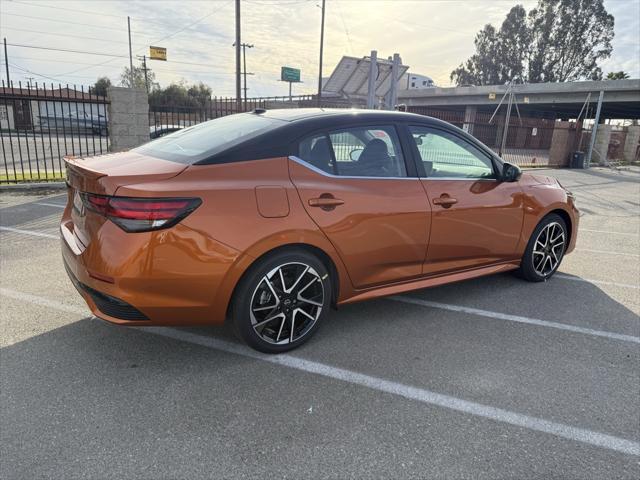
[
  {"x": 29, "y": 232},
  {"x": 515, "y": 318},
  {"x": 596, "y": 282},
  {"x": 50, "y": 204},
  {"x": 607, "y": 232},
  {"x": 608, "y": 252},
  {"x": 569, "y": 432},
  {"x": 43, "y": 302},
  {"x": 412, "y": 393}
]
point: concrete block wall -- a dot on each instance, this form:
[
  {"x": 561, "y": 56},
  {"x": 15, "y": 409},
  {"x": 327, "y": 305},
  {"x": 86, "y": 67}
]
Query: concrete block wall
[
  {"x": 601, "y": 147},
  {"x": 128, "y": 115},
  {"x": 631, "y": 142},
  {"x": 561, "y": 143}
]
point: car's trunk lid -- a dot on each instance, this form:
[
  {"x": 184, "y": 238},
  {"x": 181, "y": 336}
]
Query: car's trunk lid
[{"x": 103, "y": 174}]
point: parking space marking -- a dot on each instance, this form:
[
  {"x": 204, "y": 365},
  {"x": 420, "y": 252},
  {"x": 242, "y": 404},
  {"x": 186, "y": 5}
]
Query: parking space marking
[
  {"x": 608, "y": 252},
  {"x": 43, "y": 302},
  {"x": 596, "y": 282},
  {"x": 29, "y": 232},
  {"x": 50, "y": 204},
  {"x": 515, "y": 318},
  {"x": 568, "y": 432},
  {"x": 608, "y": 233}
]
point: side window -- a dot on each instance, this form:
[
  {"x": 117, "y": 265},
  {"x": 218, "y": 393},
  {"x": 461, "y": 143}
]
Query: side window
[
  {"x": 444, "y": 154},
  {"x": 316, "y": 151},
  {"x": 368, "y": 152}
]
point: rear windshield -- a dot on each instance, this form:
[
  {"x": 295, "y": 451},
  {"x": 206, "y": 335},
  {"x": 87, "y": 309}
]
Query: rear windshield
[{"x": 192, "y": 144}]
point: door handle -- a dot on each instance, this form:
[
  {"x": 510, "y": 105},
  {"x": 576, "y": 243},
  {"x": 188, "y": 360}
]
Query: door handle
[
  {"x": 445, "y": 201},
  {"x": 325, "y": 202}
]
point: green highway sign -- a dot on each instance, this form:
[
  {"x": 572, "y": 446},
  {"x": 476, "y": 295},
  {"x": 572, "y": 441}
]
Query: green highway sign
[{"x": 288, "y": 74}]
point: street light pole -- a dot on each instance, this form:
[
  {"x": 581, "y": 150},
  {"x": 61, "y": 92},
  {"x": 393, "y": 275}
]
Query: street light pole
[
  {"x": 237, "y": 44},
  {"x": 130, "y": 53},
  {"x": 320, "y": 63}
]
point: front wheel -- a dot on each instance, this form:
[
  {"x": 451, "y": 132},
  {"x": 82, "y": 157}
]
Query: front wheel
[
  {"x": 281, "y": 300},
  {"x": 545, "y": 249}
]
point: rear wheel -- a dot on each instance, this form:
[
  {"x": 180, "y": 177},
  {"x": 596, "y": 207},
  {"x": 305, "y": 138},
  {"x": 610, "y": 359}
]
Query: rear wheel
[
  {"x": 545, "y": 249},
  {"x": 281, "y": 300}
]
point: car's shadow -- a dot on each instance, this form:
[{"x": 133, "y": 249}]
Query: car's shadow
[{"x": 90, "y": 381}]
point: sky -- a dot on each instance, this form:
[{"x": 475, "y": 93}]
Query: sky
[{"x": 432, "y": 37}]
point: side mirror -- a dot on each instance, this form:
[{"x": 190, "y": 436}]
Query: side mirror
[{"x": 511, "y": 173}]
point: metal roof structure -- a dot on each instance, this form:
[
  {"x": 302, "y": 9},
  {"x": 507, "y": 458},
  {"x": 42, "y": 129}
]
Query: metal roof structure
[{"x": 350, "y": 77}]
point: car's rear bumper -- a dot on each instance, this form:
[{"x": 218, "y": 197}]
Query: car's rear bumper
[{"x": 169, "y": 277}]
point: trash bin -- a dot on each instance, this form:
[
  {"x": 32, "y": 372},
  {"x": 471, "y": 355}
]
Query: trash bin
[{"x": 578, "y": 160}]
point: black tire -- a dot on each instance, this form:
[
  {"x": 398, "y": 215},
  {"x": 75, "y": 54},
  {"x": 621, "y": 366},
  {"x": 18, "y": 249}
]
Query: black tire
[
  {"x": 255, "y": 301},
  {"x": 530, "y": 266}
]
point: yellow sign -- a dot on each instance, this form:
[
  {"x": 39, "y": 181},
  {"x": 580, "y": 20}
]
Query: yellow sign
[
  {"x": 158, "y": 53},
  {"x": 492, "y": 96},
  {"x": 526, "y": 99}
]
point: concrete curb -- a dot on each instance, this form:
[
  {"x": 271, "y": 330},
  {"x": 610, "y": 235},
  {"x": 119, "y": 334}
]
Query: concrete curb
[{"x": 29, "y": 186}]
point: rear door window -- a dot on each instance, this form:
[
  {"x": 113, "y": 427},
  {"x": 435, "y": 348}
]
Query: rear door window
[{"x": 356, "y": 152}]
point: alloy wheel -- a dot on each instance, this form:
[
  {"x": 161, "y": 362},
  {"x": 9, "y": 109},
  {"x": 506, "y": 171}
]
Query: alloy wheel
[
  {"x": 548, "y": 249},
  {"x": 286, "y": 303}
]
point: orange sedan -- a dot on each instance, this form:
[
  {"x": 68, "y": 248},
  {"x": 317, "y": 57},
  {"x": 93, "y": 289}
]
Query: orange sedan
[{"x": 271, "y": 218}]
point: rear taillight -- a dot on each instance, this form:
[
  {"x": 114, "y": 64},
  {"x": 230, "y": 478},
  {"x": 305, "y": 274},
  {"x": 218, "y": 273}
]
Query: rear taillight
[{"x": 141, "y": 214}]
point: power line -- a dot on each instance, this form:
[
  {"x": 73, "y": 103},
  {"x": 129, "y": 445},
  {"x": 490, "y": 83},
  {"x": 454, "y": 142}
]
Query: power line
[
  {"x": 157, "y": 67},
  {"x": 64, "y": 35},
  {"x": 121, "y": 17},
  {"x": 66, "y": 50},
  {"x": 159, "y": 40},
  {"x": 73, "y": 23},
  {"x": 98, "y": 53},
  {"x": 68, "y": 9},
  {"x": 14, "y": 66}
]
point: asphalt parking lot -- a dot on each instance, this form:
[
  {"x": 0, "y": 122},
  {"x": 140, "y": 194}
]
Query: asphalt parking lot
[{"x": 489, "y": 378}]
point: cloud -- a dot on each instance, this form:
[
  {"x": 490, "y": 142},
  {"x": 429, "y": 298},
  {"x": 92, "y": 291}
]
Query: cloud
[{"x": 432, "y": 36}]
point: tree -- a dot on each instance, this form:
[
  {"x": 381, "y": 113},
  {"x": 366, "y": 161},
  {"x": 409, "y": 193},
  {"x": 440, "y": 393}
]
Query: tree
[
  {"x": 138, "y": 78},
  {"x": 481, "y": 68},
  {"x": 569, "y": 37},
  {"x": 558, "y": 41},
  {"x": 181, "y": 95},
  {"x": 100, "y": 87},
  {"x": 617, "y": 75}
]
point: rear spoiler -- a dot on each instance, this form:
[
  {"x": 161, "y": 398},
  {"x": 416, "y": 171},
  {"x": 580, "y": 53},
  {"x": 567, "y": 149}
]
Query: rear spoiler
[{"x": 79, "y": 173}]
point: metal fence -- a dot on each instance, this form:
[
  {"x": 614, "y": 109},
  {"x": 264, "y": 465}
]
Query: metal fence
[
  {"x": 40, "y": 124},
  {"x": 166, "y": 118},
  {"x": 529, "y": 141}
]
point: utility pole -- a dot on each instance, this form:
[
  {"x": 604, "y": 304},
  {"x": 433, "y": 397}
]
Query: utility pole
[
  {"x": 146, "y": 77},
  {"x": 320, "y": 62},
  {"x": 29, "y": 80},
  {"x": 238, "y": 45},
  {"x": 6, "y": 63},
  {"x": 244, "y": 68},
  {"x": 130, "y": 53}
]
